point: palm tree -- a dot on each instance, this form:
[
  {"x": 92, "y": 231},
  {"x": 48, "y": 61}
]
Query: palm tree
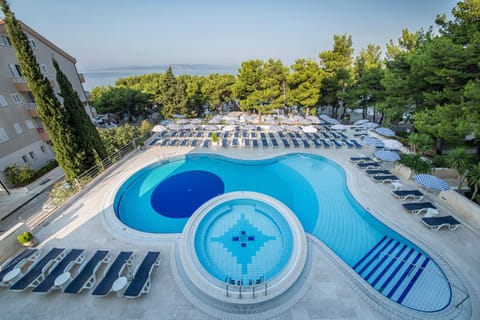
[
  {"x": 420, "y": 141},
  {"x": 458, "y": 159},
  {"x": 474, "y": 179}
]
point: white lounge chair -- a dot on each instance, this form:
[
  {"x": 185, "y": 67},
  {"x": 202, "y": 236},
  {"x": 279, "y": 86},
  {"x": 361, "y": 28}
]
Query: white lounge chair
[
  {"x": 406, "y": 194},
  {"x": 141, "y": 281},
  {"x": 87, "y": 277}
]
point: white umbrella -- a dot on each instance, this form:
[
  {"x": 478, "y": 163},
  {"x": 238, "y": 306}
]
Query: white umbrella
[
  {"x": 305, "y": 122},
  {"x": 431, "y": 182},
  {"x": 369, "y": 125},
  {"x": 386, "y": 155},
  {"x": 178, "y": 116},
  {"x": 385, "y": 132},
  {"x": 309, "y": 129},
  {"x": 282, "y": 118},
  {"x": 359, "y": 122},
  {"x": 392, "y": 144},
  {"x": 314, "y": 119},
  {"x": 292, "y": 128},
  {"x": 166, "y": 122},
  {"x": 231, "y": 121},
  {"x": 182, "y": 121},
  {"x": 228, "y": 128},
  {"x": 210, "y": 127},
  {"x": 249, "y": 127},
  {"x": 275, "y": 128},
  {"x": 175, "y": 126},
  {"x": 214, "y": 121},
  {"x": 159, "y": 128},
  {"x": 338, "y": 127},
  {"x": 196, "y": 121}
]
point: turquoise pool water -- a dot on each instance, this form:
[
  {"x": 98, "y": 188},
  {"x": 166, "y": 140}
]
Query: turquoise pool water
[
  {"x": 243, "y": 241},
  {"x": 314, "y": 188}
]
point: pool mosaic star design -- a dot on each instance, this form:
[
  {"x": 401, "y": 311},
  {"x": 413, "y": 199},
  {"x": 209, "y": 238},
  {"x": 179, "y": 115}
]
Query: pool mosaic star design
[{"x": 243, "y": 240}]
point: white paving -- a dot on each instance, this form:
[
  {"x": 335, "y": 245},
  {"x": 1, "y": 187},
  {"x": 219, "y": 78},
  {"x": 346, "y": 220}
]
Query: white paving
[{"x": 333, "y": 292}]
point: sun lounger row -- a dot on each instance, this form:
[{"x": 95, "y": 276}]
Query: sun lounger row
[{"x": 62, "y": 270}]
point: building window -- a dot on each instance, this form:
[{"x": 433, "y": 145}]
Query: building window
[
  {"x": 5, "y": 41},
  {"x": 15, "y": 70},
  {"x": 16, "y": 98},
  {"x": 29, "y": 124},
  {"x": 3, "y": 135},
  {"x": 32, "y": 154},
  {"x": 43, "y": 68},
  {"x": 25, "y": 159},
  {"x": 42, "y": 148},
  {"x": 33, "y": 43},
  {"x": 17, "y": 128},
  {"x": 3, "y": 102}
]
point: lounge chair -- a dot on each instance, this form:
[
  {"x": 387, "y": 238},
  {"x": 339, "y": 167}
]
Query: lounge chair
[
  {"x": 360, "y": 159},
  {"x": 235, "y": 142},
  {"x": 194, "y": 143},
  {"x": 295, "y": 143},
  {"x": 37, "y": 272},
  {"x": 377, "y": 172},
  {"x": 255, "y": 143},
  {"x": 336, "y": 143},
  {"x": 124, "y": 259},
  {"x": 347, "y": 143},
  {"x": 405, "y": 194},
  {"x": 305, "y": 143},
  {"x": 385, "y": 179},
  {"x": 141, "y": 280},
  {"x": 316, "y": 144},
  {"x": 246, "y": 142},
  {"x": 368, "y": 165},
  {"x": 264, "y": 142},
  {"x": 356, "y": 144},
  {"x": 27, "y": 255},
  {"x": 418, "y": 207},
  {"x": 87, "y": 278},
  {"x": 274, "y": 143},
  {"x": 286, "y": 144},
  {"x": 75, "y": 256},
  {"x": 435, "y": 223}
]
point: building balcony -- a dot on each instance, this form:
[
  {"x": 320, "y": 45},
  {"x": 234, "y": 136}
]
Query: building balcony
[
  {"x": 82, "y": 77},
  {"x": 43, "y": 134},
  {"x": 22, "y": 86},
  {"x": 32, "y": 109}
]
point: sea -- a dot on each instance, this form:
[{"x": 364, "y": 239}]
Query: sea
[{"x": 108, "y": 75}]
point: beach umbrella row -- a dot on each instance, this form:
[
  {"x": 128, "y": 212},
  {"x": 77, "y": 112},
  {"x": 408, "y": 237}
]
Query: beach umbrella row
[
  {"x": 386, "y": 155},
  {"x": 385, "y": 132},
  {"x": 372, "y": 141}
]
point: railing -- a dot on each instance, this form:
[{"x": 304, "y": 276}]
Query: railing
[
  {"x": 30, "y": 105},
  {"x": 232, "y": 287},
  {"x": 19, "y": 80}
]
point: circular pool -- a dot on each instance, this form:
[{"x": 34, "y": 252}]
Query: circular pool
[{"x": 243, "y": 240}]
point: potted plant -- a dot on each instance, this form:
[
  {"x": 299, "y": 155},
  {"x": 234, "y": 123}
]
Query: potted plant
[
  {"x": 27, "y": 239},
  {"x": 214, "y": 139}
]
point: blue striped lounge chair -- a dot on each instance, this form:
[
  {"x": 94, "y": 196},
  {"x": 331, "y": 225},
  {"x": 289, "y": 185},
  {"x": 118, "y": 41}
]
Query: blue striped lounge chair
[
  {"x": 87, "y": 276},
  {"x": 406, "y": 194},
  {"x": 316, "y": 144},
  {"x": 38, "y": 271},
  {"x": 295, "y": 143},
  {"x": 18, "y": 262},
  {"x": 286, "y": 144},
  {"x": 141, "y": 279},
  {"x": 356, "y": 144},
  {"x": 418, "y": 207},
  {"x": 436, "y": 223},
  {"x": 274, "y": 143},
  {"x": 305, "y": 143},
  {"x": 116, "y": 269},
  {"x": 325, "y": 143},
  {"x": 75, "y": 256}
]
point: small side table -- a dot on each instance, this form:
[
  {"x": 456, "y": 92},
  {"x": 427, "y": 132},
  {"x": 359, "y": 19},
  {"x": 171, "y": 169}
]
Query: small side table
[
  {"x": 119, "y": 285},
  {"x": 62, "y": 279},
  {"x": 396, "y": 185},
  {"x": 12, "y": 276}
]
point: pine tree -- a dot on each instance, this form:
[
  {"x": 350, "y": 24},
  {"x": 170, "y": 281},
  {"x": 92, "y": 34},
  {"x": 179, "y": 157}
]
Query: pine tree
[
  {"x": 85, "y": 133},
  {"x": 49, "y": 108}
]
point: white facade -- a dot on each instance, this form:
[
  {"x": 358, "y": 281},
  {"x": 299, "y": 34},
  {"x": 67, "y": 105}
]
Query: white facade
[{"x": 23, "y": 139}]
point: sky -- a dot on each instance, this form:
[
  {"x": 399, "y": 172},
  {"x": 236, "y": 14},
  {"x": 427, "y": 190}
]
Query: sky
[{"x": 112, "y": 33}]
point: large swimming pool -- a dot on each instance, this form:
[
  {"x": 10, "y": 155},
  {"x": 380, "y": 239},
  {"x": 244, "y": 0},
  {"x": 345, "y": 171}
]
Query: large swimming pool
[{"x": 161, "y": 197}]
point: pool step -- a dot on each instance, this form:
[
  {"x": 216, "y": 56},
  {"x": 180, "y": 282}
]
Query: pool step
[{"x": 392, "y": 268}]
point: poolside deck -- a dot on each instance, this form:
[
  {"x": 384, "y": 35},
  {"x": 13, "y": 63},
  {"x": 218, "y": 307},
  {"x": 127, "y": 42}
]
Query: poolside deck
[{"x": 330, "y": 292}]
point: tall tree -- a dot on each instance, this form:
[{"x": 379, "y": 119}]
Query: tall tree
[
  {"x": 172, "y": 97},
  {"x": 83, "y": 130},
  {"x": 68, "y": 155},
  {"x": 337, "y": 65},
  {"x": 120, "y": 100},
  {"x": 304, "y": 83},
  {"x": 248, "y": 81},
  {"x": 218, "y": 89}
]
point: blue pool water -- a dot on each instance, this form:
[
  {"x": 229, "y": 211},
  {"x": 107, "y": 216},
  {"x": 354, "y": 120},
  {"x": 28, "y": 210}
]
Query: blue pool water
[
  {"x": 243, "y": 241},
  {"x": 314, "y": 188}
]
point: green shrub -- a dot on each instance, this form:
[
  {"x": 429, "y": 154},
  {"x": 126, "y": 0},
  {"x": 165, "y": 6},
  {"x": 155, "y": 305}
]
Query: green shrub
[
  {"x": 18, "y": 175},
  {"x": 440, "y": 162},
  {"x": 25, "y": 237},
  {"x": 214, "y": 137},
  {"x": 415, "y": 162}
]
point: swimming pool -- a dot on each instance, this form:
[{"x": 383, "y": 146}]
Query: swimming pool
[{"x": 312, "y": 187}]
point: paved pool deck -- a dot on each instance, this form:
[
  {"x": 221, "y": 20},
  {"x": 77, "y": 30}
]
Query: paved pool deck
[{"x": 330, "y": 292}]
